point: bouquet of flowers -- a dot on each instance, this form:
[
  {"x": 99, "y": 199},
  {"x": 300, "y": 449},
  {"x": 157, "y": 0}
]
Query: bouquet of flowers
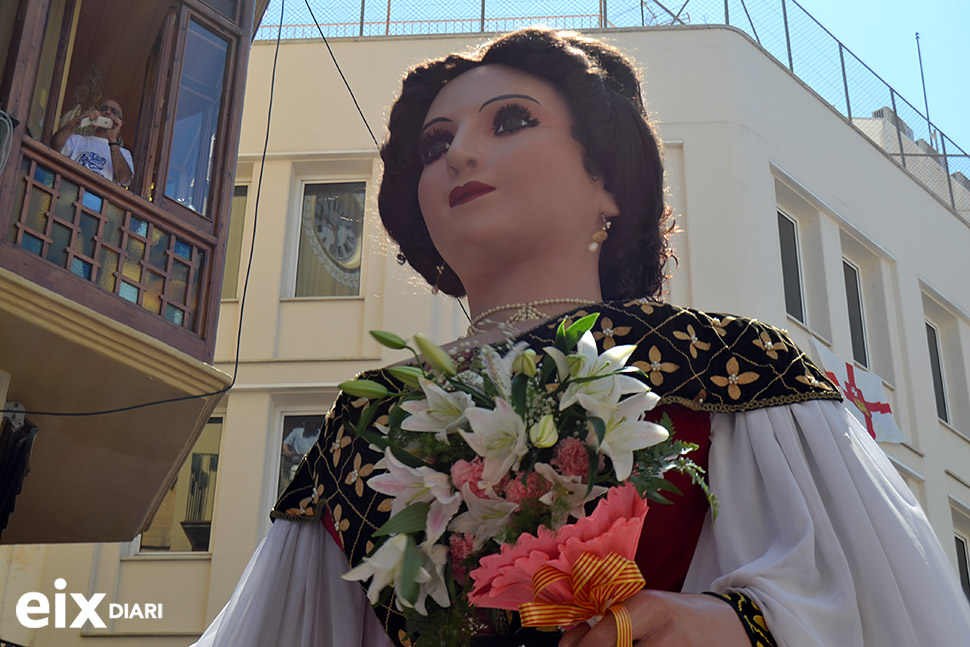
[{"x": 492, "y": 471}]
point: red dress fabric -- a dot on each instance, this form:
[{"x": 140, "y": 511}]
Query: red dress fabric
[{"x": 670, "y": 532}]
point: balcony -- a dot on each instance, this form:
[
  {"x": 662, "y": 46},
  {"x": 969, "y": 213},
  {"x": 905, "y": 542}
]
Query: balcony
[{"x": 109, "y": 296}]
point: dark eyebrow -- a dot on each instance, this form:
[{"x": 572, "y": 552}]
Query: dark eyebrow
[
  {"x": 433, "y": 121},
  {"x": 502, "y": 97}
]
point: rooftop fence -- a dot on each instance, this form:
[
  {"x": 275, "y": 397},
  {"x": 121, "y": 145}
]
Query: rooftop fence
[{"x": 782, "y": 28}]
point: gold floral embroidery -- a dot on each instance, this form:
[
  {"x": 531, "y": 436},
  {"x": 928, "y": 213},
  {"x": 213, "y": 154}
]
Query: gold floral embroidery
[
  {"x": 770, "y": 348},
  {"x": 339, "y": 523},
  {"x": 811, "y": 380},
  {"x": 305, "y": 509},
  {"x": 695, "y": 343},
  {"x": 385, "y": 505},
  {"x": 339, "y": 443},
  {"x": 358, "y": 475},
  {"x": 733, "y": 379},
  {"x": 719, "y": 324},
  {"x": 644, "y": 304},
  {"x": 656, "y": 368},
  {"x": 608, "y": 332},
  {"x": 402, "y": 637}
]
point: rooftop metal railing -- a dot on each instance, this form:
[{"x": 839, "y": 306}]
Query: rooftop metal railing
[{"x": 783, "y": 28}]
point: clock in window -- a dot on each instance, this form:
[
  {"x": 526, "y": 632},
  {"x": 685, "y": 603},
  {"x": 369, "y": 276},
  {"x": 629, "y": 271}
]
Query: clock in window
[{"x": 331, "y": 240}]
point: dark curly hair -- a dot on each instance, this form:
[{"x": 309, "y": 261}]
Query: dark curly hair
[{"x": 602, "y": 89}]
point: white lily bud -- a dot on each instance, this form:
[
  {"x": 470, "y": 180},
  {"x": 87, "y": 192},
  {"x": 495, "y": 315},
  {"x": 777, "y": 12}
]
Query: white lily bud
[
  {"x": 544, "y": 433},
  {"x": 525, "y": 363},
  {"x": 435, "y": 355}
]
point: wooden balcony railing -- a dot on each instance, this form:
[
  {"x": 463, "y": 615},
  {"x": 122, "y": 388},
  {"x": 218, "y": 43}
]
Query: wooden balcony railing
[{"x": 93, "y": 241}]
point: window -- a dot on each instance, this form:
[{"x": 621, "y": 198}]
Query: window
[
  {"x": 299, "y": 435},
  {"x": 857, "y": 324},
  {"x": 230, "y": 275},
  {"x": 184, "y": 518},
  {"x": 963, "y": 563},
  {"x": 197, "y": 118},
  {"x": 936, "y": 365},
  {"x": 791, "y": 274},
  {"x": 331, "y": 232}
]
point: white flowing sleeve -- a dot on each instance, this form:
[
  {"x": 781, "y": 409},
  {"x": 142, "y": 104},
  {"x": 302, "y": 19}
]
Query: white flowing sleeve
[
  {"x": 818, "y": 529},
  {"x": 291, "y": 594}
]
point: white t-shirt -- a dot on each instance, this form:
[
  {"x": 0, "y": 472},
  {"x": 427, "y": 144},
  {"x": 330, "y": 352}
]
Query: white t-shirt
[{"x": 94, "y": 153}]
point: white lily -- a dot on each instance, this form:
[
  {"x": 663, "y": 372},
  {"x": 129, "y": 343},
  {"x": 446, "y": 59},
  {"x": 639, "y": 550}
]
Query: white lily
[
  {"x": 499, "y": 368},
  {"x": 439, "y": 412},
  {"x": 431, "y": 577},
  {"x": 627, "y": 432},
  {"x": 410, "y": 485},
  {"x": 569, "y": 489},
  {"x": 498, "y": 436},
  {"x": 384, "y": 566},
  {"x": 606, "y": 390},
  {"x": 485, "y": 517}
]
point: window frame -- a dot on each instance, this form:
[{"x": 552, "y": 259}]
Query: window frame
[
  {"x": 242, "y": 240},
  {"x": 942, "y": 392},
  {"x": 133, "y": 549},
  {"x": 964, "y": 572},
  {"x": 846, "y": 263},
  {"x": 800, "y": 277}
]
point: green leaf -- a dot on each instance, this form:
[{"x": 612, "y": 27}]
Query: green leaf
[
  {"x": 373, "y": 437},
  {"x": 561, "y": 337},
  {"x": 407, "y": 374},
  {"x": 364, "y": 389},
  {"x": 594, "y": 463},
  {"x": 408, "y": 459},
  {"x": 388, "y": 339},
  {"x": 478, "y": 397},
  {"x": 548, "y": 369},
  {"x": 519, "y": 384},
  {"x": 409, "y": 572},
  {"x": 579, "y": 328},
  {"x": 368, "y": 415},
  {"x": 599, "y": 426},
  {"x": 413, "y": 518}
]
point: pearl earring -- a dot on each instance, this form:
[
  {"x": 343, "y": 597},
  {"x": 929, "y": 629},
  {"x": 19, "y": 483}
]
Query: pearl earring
[{"x": 600, "y": 236}]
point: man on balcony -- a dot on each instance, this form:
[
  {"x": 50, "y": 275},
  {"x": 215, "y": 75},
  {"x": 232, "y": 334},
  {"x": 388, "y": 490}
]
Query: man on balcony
[{"x": 101, "y": 152}]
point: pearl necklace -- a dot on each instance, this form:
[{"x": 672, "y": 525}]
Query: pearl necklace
[{"x": 528, "y": 311}]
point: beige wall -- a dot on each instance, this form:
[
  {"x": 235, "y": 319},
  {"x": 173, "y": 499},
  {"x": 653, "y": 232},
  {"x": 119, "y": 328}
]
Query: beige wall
[{"x": 743, "y": 139}]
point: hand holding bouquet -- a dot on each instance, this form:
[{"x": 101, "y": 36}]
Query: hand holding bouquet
[{"x": 490, "y": 466}]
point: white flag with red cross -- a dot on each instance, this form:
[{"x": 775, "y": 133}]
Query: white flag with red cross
[{"x": 865, "y": 395}]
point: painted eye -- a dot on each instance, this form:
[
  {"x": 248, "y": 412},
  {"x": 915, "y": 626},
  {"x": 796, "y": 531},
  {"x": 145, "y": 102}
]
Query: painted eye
[
  {"x": 433, "y": 145},
  {"x": 512, "y": 118}
]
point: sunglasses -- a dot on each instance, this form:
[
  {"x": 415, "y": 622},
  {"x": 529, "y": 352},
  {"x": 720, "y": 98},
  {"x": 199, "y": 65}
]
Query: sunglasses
[{"x": 114, "y": 111}]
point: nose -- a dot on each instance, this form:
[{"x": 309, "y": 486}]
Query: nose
[{"x": 465, "y": 152}]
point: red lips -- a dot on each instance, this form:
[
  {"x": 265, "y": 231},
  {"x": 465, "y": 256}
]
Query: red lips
[{"x": 468, "y": 192}]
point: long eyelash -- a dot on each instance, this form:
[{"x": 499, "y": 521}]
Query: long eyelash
[
  {"x": 433, "y": 144},
  {"x": 514, "y": 111}
]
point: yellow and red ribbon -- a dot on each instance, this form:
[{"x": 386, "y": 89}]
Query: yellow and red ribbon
[{"x": 597, "y": 585}]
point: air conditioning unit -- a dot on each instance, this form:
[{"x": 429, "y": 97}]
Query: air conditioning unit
[{"x": 887, "y": 114}]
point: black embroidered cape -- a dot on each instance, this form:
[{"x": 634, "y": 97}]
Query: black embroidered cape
[{"x": 708, "y": 362}]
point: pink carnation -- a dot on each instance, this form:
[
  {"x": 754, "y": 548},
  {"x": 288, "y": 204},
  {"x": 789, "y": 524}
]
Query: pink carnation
[
  {"x": 461, "y": 548},
  {"x": 504, "y": 580},
  {"x": 571, "y": 458},
  {"x": 534, "y": 487},
  {"x": 463, "y": 472}
]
